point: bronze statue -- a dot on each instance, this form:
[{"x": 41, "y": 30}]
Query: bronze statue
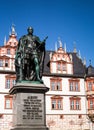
[{"x": 29, "y": 59}]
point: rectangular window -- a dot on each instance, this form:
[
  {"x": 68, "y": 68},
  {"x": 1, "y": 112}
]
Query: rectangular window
[
  {"x": 52, "y": 86},
  {"x": 91, "y": 103},
  {"x": 71, "y": 86},
  {"x": 56, "y": 84},
  {"x": 53, "y": 104},
  {"x": 8, "y": 51},
  {"x": 75, "y": 104},
  {"x": 13, "y": 82},
  {"x": 7, "y": 83},
  {"x": 59, "y": 104},
  {"x": 1, "y": 63},
  {"x": 72, "y": 105},
  {"x": 10, "y": 81},
  {"x": 90, "y": 86},
  {"x": 56, "y": 103},
  {"x": 64, "y": 67},
  {"x": 6, "y": 63},
  {"x": 8, "y": 102},
  {"x": 58, "y": 66},
  {"x": 61, "y": 67},
  {"x": 74, "y": 85}
]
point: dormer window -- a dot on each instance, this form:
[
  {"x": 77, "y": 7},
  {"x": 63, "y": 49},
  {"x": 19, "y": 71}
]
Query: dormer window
[
  {"x": 61, "y": 67},
  {"x": 8, "y": 51},
  {"x": 60, "y": 62},
  {"x": 58, "y": 66}
]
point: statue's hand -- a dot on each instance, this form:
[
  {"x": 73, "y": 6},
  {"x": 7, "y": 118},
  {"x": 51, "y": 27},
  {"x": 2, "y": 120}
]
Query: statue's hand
[{"x": 45, "y": 39}]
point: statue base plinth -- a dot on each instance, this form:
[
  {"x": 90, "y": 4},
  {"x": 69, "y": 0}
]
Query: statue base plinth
[
  {"x": 27, "y": 128},
  {"x": 29, "y": 106}
]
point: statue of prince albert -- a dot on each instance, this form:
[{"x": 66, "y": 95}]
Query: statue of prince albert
[{"x": 29, "y": 59}]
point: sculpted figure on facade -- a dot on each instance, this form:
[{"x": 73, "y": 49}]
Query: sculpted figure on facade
[{"x": 29, "y": 59}]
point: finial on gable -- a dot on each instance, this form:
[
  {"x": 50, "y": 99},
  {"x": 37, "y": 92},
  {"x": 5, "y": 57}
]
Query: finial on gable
[
  {"x": 75, "y": 51},
  {"x": 56, "y": 46},
  {"x": 50, "y": 55},
  {"x": 79, "y": 54},
  {"x": 84, "y": 61},
  {"x": 5, "y": 40},
  {"x": 65, "y": 49},
  {"x": 70, "y": 57},
  {"x": 90, "y": 62},
  {"x": 13, "y": 32},
  {"x": 60, "y": 42}
]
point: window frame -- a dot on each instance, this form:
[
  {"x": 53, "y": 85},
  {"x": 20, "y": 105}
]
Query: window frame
[
  {"x": 57, "y": 82},
  {"x": 76, "y": 103},
  {"x": 58, "y": 103},
  {"x": 1, "y": 62},
  {"x": 7, "y": 86},
  {"x": 8, "y": 51},
  {"x": 6, "y": 62},
  {"x": 91, "y": 105},
  {"x": 74, "y": 85},
  {"x": 90, "y": 84},
  {"x": 12, "y": 81},
  {"x": 10, "y": 104},
  {"x": 61, "y": 67}
]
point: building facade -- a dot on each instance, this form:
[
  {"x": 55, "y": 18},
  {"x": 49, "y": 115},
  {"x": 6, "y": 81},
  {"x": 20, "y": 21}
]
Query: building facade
[{"x": 70, "y": 99}]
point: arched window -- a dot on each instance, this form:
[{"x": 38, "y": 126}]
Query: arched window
[{"x": 8, "y": 51}]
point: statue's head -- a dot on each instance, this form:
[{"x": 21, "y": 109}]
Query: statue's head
[{"x": 30, "y": 30}]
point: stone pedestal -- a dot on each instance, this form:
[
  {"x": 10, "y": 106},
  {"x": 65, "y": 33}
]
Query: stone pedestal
[{"x": 29, "y": 106}]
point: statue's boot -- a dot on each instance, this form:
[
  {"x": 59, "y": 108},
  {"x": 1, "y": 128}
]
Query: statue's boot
[{"x": 40, "y": 80}]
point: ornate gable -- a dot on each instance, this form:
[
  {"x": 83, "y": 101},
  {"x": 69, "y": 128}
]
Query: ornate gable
[
  {"x": 12, "y": 39},
  {"x": 61, "y": 62},
  {"x": 7, "y": 52}
]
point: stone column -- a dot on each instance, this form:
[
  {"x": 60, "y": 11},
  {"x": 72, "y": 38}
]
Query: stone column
[{"x": 29, "y": 106}]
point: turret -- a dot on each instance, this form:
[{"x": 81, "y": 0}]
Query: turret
[{"x": 13, "y": 32}]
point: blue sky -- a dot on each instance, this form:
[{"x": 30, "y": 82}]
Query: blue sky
[{"x": 71, "y": 20}]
